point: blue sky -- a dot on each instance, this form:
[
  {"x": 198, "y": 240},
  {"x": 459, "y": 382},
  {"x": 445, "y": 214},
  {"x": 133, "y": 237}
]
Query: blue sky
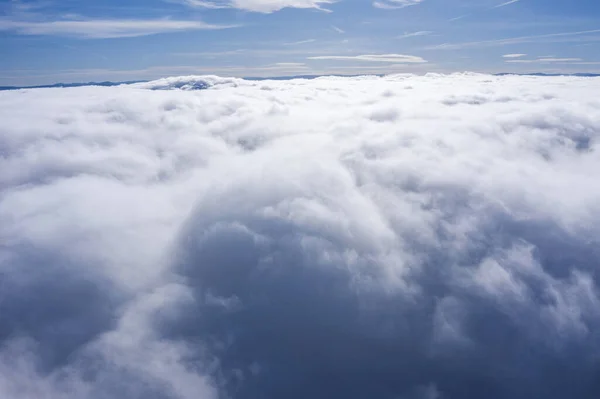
[{"x": 46, "y": 41}]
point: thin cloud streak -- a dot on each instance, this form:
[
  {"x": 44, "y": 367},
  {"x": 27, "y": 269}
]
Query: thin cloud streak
[
  {"x": 260, "y": 6},
  {"x": 457, "y": 18},
  {"x": 503, "y": 42},
  {"x": 506, "y": 4},
  {"x": 300, "y": 42},
  {"x": 546, "y": 60},
  {"x": 290, "y": 64},
  {"x": 415, "y": 34},
  {"x": 284, "y": 50},
  {"x": 105, "y": 28},
  {"x": 396, "y": 58},
  {"x": 396, "y": 4},
  {"x": 200, "y": 3}
]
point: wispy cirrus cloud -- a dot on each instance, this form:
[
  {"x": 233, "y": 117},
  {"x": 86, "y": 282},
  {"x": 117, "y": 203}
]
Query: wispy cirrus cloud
[
  {"x": 546, "y": 60},
  {"x": 337, "y": 29},
  {"x": 396, "y": 58},
  {"x": 507, "y": 41},
  {"x": 506, "y": 3},
  {"x": 261, "y": 6},
  {"x": 200, "y": 3},
  {"x": 104, "y": 28},
  {"x": 300, "y": 42},
  {"x": 458, "y": 18},
  {"x": 290, "y": 64},
  {"x": 17, "y": 6},
  {"x": 281, "y": 50},
  {"x": 395, "y": 4},
  {"x": 513, "y": 55},
  {"x": 415, "y": 34}
]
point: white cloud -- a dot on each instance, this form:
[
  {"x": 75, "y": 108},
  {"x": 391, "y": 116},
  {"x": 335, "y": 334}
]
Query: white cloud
[
  {"x": 104, "y": 28},
  {"x": 397, "y": 58},
  {"x": 300, "y": 42},
  {"x": 293, "y": 64},
  {"x": 547, "y": 60},
  {"x": 202, "y": 3},
  {"x": 415, "y": 34},
  {"x": 395, "y": 4},
  {"x": 514, "y": 55},
  {"x": 458, "y": 18},
  {"x": 262, "y": 6},
  {"x": 338, "y": 30},
  {"x": 513, "y": 40},
  {"x": 586, "y": 63},
  {"x": 206, "y": 237},
  {"x": 506, "y": 3}
]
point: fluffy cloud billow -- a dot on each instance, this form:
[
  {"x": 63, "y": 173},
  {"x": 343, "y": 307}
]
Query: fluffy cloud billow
[{"x": 372, "y": 237}]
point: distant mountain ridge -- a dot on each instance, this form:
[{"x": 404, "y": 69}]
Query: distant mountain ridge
[
  {"x": 109, "y": 84},
  {"x": 65, "y": 85}
]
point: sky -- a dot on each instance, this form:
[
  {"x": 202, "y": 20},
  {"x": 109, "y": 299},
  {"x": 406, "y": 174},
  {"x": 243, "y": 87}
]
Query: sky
[{"x": 45, "y": 41}]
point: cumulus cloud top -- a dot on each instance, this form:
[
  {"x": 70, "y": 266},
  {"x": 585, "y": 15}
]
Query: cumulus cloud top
[
  {"x": 188, "y": 83},
  {"x": 375, "y": 237}
]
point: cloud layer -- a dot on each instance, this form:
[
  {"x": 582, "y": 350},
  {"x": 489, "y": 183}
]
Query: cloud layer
[{"x": 395, "y": 237}]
